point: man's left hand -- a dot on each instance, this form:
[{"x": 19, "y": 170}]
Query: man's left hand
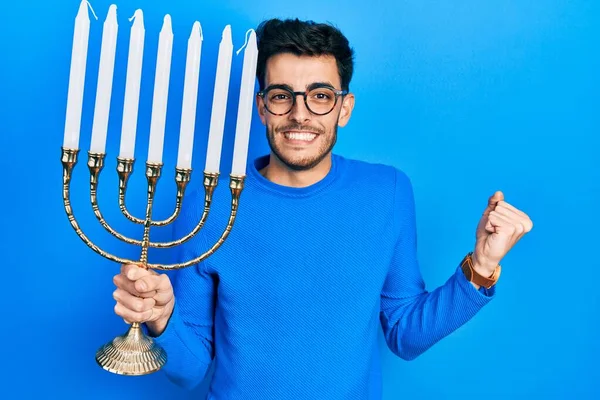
[{"x": 501, "y": 226}]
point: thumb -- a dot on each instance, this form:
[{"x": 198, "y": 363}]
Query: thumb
[{"x": 493, "y": 201}]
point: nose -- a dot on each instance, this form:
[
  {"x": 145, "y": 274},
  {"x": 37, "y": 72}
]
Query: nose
[{"x": 299, "y": 112}]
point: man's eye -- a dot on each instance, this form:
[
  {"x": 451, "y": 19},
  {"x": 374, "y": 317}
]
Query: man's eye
[{"x": 321, "y": 96}]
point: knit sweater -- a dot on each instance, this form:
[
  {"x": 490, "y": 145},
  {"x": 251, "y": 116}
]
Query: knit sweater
[{"x": 290, "y": 305}]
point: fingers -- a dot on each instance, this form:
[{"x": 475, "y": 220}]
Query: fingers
[
  {"x": 133, "y": 316},
  {"x": 142, "y": 282},
  {"x": 164, "y": 290},
  {"x": 122, "y": 282},
  {"x": 502, "y": 223},
  {"x": 133, "y": 303},
  {"x": 507, "y": 206},
  {"x": 134, "y": 272},
  {"x": 141, "y": 294},
  {"x": 133, "y": 309},
  {"x": 508, "y": 212},
  {"x": 155, "y": 286},
  {"x": 493, "y": 201},
  {"x": 515, "y": 216}
]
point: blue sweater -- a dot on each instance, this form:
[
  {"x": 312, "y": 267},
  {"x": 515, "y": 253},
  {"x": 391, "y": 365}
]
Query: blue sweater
[{"x": 290, "y": 306}]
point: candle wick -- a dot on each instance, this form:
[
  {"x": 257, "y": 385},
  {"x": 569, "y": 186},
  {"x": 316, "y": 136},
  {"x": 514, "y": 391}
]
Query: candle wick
[
  {"x": 246, "y": 43},
  {"x": 92, "y": 9},
  {"x": 133, "y": 16}
]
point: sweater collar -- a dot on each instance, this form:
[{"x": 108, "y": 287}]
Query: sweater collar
[{"x": 262, "y": 182}]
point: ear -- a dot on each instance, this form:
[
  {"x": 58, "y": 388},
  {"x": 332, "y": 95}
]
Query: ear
[
  {"x": 260, "y": 106},
  {"x": 346, "y": 111}
]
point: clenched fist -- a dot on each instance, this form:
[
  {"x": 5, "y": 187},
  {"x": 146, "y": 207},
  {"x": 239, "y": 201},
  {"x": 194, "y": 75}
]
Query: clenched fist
[
  {"x": 144, "y": 296},
  {"x": 500, "y": 228}
]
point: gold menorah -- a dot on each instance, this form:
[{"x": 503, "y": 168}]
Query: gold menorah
[{"x": 134, "y": 353}]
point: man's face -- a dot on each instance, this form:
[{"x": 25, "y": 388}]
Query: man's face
[{"x": 301, "y": 139}]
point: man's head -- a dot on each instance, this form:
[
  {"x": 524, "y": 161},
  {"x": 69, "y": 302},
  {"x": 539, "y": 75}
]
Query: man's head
[{"x": 306, "y": 57}]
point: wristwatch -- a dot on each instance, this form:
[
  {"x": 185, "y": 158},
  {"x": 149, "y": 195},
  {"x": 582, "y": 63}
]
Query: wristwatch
[{"x": 472, "y": 275}]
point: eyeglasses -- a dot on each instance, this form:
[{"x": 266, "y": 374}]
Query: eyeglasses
[{"x": 319, "y": 99}]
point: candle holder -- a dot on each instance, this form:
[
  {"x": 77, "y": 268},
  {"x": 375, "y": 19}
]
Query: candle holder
[{"x": 134, "y": 353}]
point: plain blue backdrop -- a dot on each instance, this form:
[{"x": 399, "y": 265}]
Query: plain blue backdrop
[{"x": 467, "y": 97}]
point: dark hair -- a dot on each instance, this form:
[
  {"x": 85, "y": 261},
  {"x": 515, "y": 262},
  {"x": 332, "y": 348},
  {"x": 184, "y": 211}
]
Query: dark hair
[{"x": 277, "y": 36}]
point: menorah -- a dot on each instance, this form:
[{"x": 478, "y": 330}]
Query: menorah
[{"x": 135, "y": 353}]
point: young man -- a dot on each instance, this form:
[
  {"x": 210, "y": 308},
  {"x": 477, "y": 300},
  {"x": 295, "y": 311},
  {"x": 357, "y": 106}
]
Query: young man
[{"x": 323, "y": 252}]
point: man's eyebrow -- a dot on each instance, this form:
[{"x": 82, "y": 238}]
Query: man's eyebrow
[
  {"x": 319, "y": 84},
  {"x": 309, "y": 86},
  {"x": 280, "y": 86}
]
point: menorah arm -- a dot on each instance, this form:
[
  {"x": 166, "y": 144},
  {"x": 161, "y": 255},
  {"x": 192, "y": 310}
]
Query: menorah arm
[
  {"x": 95, "y": 164},
  {"x": 125, "y": 168},
  {"x": 182, "y": 177},
  {"x": 236, "y": 185},
  {"x": 69, "y": 159}
]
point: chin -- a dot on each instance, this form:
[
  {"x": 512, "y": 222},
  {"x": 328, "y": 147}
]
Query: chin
[
  {"x": 301, "y": 159},
  {"x": 299, "y": 162}
]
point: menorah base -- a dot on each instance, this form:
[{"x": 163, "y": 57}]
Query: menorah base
[{"x": 133, "y": 353}]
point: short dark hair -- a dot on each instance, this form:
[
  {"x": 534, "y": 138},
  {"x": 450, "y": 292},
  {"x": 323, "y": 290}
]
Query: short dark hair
[{"x": 297, "y": 37}]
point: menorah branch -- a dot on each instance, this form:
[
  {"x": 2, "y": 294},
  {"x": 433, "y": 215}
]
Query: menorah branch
[
  {"x": 95, "y": 165},
  {"x": 182, "y": 178},
  {"x": 124, "y": 169},
  {"x": 236, "y": 184},
  {"x": 69, "y": 160}
]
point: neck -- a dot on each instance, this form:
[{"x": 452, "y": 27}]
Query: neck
[{"x": 277, "y": 172}]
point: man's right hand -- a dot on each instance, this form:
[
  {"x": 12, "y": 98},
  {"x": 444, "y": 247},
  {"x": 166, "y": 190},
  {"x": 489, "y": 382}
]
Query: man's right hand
[{"x": 144, "y": 296}]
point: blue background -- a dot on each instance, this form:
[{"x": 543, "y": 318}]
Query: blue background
[{"x": 467, "y": 97}]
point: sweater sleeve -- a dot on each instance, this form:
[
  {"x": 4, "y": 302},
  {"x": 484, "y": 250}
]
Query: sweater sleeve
[
  {"x": 188, "y": 337},
  {"x": 414, "y": 319}
]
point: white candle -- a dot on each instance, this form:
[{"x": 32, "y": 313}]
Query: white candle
[
  {"x": 132, "y": 86},
  {"x": 77, "y": 77},
  {"x": 105, "y": 81},
  {"x": 244, "y": 118},
  {"x": 161, "y": 91},
  {"x": 190, "y": 97},
  {"x": 217, "y": 119}
]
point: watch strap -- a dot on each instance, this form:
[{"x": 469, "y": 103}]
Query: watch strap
[{"x": 473, "y": 276}]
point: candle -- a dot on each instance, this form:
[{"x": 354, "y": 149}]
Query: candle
[
  {"x": 77, "y": 77},
  {"x": 161, "y": 90},
  {"x": 132, "y": 86},
  {"x": 190, "y": 97},
  {"x": 244, "y": 118},
  {"x": 217, "y": 119},
  {"x": 105, "y": 80}
]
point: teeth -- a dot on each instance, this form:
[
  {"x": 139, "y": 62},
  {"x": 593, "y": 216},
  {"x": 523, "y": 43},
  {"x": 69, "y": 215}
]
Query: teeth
[{"x": 307, "y": 137}]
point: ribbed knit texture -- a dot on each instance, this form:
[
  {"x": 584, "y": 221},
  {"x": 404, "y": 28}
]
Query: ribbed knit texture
[{"x": 290, "y": 305}]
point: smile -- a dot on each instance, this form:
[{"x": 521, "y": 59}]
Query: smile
[{"x": 300, "y": 136}]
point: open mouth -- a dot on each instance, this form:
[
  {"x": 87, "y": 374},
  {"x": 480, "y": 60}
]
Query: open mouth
[{"x": 300, "y": 137}]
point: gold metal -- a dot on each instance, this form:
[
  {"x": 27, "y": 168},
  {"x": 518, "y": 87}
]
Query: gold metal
[
  {"x": 152, "y": 175},
  {"x": 95, "y": 165},
  {"x": 134, "y": 353},
  {"x": 125, "y": 168},
  {"x": 69, "y": 160}
]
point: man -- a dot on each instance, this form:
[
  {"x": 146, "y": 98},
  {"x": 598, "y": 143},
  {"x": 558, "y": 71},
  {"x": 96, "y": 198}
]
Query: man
[{"x": 323, "y": 252}]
